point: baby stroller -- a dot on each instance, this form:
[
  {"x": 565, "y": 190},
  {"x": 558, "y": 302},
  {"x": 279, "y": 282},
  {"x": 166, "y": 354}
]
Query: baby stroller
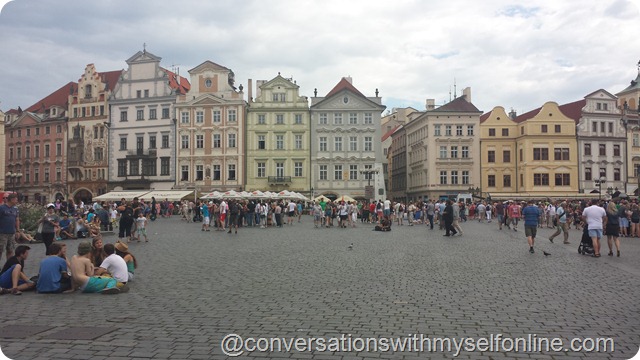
[{"x": 586, "y": 244}]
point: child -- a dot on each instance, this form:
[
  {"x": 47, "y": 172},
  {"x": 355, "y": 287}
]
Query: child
[{"x": 141, "y": 226}]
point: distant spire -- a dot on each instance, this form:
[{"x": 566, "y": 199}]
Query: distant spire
[
  {"x": 144, "y": 47},
  {"x": 455, "y": 91}
]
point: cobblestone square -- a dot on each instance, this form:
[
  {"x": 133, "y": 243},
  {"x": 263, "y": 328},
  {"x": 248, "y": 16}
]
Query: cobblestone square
[{"x": 192, "y": 288}]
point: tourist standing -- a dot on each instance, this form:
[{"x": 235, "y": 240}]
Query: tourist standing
[
  {"x": 531, "y": 215},
  {"x": 594, "y": 216}
]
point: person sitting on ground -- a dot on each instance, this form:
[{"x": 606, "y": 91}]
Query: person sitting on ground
[
  {"x": 94, "y": 226},
  {"x": 65, "y": 230},
  {"x": 97, "y": 252},
  {"x": 82, "y": 231},
  {"x": 123, "y": 251},
  {"x": 54, "y": 276},
  {"x": 12, "y": 277},
  {"x": 24, "y": 237},
  {"x": 114, "y": 265},
  {"x": 82, "y": 273},
  {"x": 385, "y": 224}
]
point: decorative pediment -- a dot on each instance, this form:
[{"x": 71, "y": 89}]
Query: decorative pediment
[
  {"x": 143, "y": 56},
  {"x": 27, "y": 118},
  {"x": 208, "y": 65},
  {"x": 347, "y": 100},
  {"x": 207, "y": 99}
]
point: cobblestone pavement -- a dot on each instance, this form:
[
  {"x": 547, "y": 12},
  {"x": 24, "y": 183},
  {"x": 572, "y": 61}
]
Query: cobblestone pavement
[{"x": 193, "y": 288}]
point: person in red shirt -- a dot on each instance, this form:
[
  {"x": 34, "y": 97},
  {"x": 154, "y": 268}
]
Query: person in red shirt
[
  {"x": 372, "y": 212},
  {"x": 514, "y": 212}
]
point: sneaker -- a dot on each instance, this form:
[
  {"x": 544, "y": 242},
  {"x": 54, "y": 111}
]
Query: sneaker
[
  {"x": 566, "y": 243},
  {"x": 110, "y": 291},
  {"x": 15, "y": 291},
  {"x": 531, "y": 250}
]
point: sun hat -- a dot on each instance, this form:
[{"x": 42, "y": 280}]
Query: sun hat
[
  {"x": 50, "y": 205},
  {"x": 122, "y": 247}
]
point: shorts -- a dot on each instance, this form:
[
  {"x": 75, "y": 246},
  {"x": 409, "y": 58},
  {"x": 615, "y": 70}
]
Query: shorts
[
  {"x": 205, "y": 220},
  {"x": 292, "y": 213},
  {"x": 386, "y": 212},
  {"x": 595, "y": 233},
  {"x": 316, "y": 217},
  {"x": 98, "y": 283},
  {"x": 222, "y": 217},
  {"x": 5, "y": 279},
  {"x": 500, "y": 218},
  {"x": 624, "y": 222},
  {"x": 530, "y": 231},
  {"x": 7, "y": 242},
  {"x": 142, "y": 231},
  {"x": 344, "y": 217}
]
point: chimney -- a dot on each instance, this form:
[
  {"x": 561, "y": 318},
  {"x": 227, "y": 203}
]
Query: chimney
[
  {"x": 513, "y": 114},
  {"x": 467, "y": 94},
  {"x": 250, "y": 90},
  {"x": 430, "y": 104}
]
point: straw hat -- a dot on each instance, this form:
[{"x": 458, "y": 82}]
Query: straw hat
[{"x": 122, "y": 247}]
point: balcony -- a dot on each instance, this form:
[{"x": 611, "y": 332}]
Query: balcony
[
  {"x": 276, "y": 180},
  {"x": 142, "y": 153}
]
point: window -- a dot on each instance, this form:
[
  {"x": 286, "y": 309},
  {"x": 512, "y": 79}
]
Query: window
[
  {"x": 563, "y": 179},
  {"x": 122, "y": 167},
  {"x": 465, "y": 152},
  {"x": 337, "y": 172},
  {"x": 10, "y": 153},
  {"x": 587, "y": 174},
  {"x": 594, "y": 126},
  {"x": 616, "y": 150},
  {"x": 540, "y": 154},
  {"x": 216, "y": 172},
  {"x": 152, "y": 141},
  {"x": 298, "y": 119},
  {"x": 443, "y": 152},
  {"x": 261, "y": 119},
  {"x": 323, "y": 172},
  {"x": 337, "y": 119},
  {"x": 322, "y": 119},
  {"x": 27, "y": 152},
  {"x": 323, "y": 143},
  {"x": 603, "y": 173},
  {"x": 36, "y": 173},
  {"x": 443, "y": 178},
  {"x": 491, "y": 156},
  {"x": 458, "y": 130},
  {"x": 279, "y": 119},
  {"x": 231, "y": 168},
  {"x": 37, "y": 132},
  {"x": 19, "y": 133},
  {"x": 469, "y": 130},
  {"x": 492, "y": 132},
  {"x": 184, "y": 141},
  {"x": 46, "y": 151},
  {"x": 231, "y": 117},
  {"x": 184, "y": 117},
  {"x": 610, "y": 128},
  {"x": 436, "y": 130},
  {"x": 262, "y": 169},
  {"x": 139, "y": 143},
  {"x": 561, "y": 154},
  {"x": 337, "y": 143},
  {"x": 587, "y": 149},
  {"x": 36, "y": 151},
  {"x": 199, "y": 172},
  {"x": 279, "y": 97},
  {"x": 216, "y": 141},
  {"x": 368, "y": 118},
  {"x": 152, "y": 114},
  {"x": 353, "y": 143},
  {"x": 465, "y": 177},
  {"x": 602, "y": 149},
  {"x": 279, "y": 142},
  {"x": 165, "y": 141},
  {"x": 28, "y": 132},
  {"x": 602, "y": 125},
  {"x": 368, "y": 143},
  {"x": 165, "y": 164},
  {"x": 454, "y": 177},
  {"x": 543, "y": 128},
  {"x": 368, "y": 176},
  {"x": 454, "y": 152},
  {"x": 279, "y": 169},
  {"x": 491, "y": 180},
  {"x": 616, "y": 174},
  {"x": 541, "y": 179},
  {"x": 447, "y": 130},
  {"x": 353, "y": 172},
  {"x": 232, "y": 140},
  {"x": 505, "y": 132},
  {"x": 165, "y": 113},
  {"x": 184, "y": 173},
  {"x": 58, "y": 149},
  {"x": 506, "y": 180},
  {"x": 149, "y": 167},
  {"x": 262, "y": 144},
  {"x": 138, "y": 93},
  {"x": 199, "y": 141},
  {"x": 123, "y": 116},
  {"x": 216, "y": 116},
  {"x": 557, "y": 128},
  {"x": 98, "y": 154},
  {"x": 139, "y": 114},
  {"x": 298, "y": 142},
  {"x": 134, "y": 167},
  {"x": 353, "y": 118},
  {"x": 199, "y": 117},
  {"x": 506, "y": 156},
  {"x": 297, "y": 169},
  {"x": 19, "y": 153}
]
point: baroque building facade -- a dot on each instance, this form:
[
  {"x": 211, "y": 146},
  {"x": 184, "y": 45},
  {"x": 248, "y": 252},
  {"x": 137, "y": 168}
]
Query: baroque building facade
[
  {"x": 629, "y": 105},
  {"x": 142, "y": 125},
  {"x": 498, "y": 144},
  {"x": 278, "y": 138}
]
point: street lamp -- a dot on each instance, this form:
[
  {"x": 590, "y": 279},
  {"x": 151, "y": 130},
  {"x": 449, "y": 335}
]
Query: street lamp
[
  {"x": 13, "y": 179},
  {"x": 368, "y": 173},
  {"x": 312, "y": 193},
  {"x": 599, "y": 182}
]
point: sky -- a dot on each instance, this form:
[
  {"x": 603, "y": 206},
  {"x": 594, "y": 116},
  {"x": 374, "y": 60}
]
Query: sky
[{"x": 515, "y": 54}]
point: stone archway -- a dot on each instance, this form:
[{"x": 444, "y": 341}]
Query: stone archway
[{"x": 84, "y": 195}]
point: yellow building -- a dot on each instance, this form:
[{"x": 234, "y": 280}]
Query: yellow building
[{"x": 498, "y": 133}]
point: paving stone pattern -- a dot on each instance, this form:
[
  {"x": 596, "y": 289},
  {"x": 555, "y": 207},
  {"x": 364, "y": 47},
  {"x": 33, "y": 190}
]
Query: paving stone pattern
[{"x": 192, "y": 288}]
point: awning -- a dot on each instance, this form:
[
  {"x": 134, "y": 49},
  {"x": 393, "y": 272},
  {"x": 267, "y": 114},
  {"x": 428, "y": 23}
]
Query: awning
[
  {"x": 171, "y": 195},
  {"x": 117, "y": 195}
]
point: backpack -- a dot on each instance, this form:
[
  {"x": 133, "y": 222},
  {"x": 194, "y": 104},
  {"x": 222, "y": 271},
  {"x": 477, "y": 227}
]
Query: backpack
[{"x": 401, "y": 208}]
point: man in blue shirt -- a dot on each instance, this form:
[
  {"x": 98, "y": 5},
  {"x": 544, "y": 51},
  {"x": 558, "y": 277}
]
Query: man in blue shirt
[
  {"x": 9, "y": 223},
  {"x": 531, "y": 214},
  {"x": 54, "y": 276}
]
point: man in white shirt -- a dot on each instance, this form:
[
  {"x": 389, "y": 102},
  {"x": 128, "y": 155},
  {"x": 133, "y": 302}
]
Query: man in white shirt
[
  {"x": 223, "y": 214},
  {"x": 386, "y": 208},
  {"x": 594, "y": 216},
  {"x": 114, "y": 264},
  {"x": 291, "y": 207}
]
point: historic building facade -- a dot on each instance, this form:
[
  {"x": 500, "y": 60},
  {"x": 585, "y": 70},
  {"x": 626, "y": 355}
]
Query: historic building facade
[
  {"x": 142, "y": 148},
  {"x": 498, "y": 134},
  {"x": 88, "y": 131},
  {"x": 211, "y": 140},
  {"x": 36, "y": 148},
  {"x": 345, "y": 140},
  {"x": 629, "y": 104},
  {"x": 398, "y": 165},
  {"x": 278, "y": 138}
]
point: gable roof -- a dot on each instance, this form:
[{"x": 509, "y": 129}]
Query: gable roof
[
  {"x": 459, "y": 104},
  {"x": 209, "y": 63},
  {"x": 389, "y": 133},
  {"x": 344, "y": 84},
  {"x": 635, "y": 85},
  {"x": 59, "y": 97},
  {"x": 571, "y": 110},
  {"x": 179, "y": 83},
  {"x": 604, "y": 91},
  {"x": 111, "y": 78}
]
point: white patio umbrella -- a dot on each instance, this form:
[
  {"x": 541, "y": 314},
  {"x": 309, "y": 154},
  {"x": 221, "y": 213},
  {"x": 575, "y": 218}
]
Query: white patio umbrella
[
  {"x": 257, "y": 194},
  {"x": 231, "y": 194}
]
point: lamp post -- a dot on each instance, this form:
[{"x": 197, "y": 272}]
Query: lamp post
[
  {"x": 368, "y": 173},
  {"x": 312, "y": 193},
  {"x": 13, "y": 179},
  {"x": 599, "y": 182}
]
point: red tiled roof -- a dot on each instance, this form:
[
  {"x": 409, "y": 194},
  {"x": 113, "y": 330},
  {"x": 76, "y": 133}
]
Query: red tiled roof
[
  {"x": 111, "y": 78},
  {"x": 342, "y": 85},
  {"x": 485, "y": 116},
  {"x": 59, "y": 97},
  {"x": 182, "y": 87},
  {"x": 389, "y": 133},
  {"x": 459, "y": 104},
  {"x": 571, "y": 110},
  {"x": 13, "y": 111}
]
